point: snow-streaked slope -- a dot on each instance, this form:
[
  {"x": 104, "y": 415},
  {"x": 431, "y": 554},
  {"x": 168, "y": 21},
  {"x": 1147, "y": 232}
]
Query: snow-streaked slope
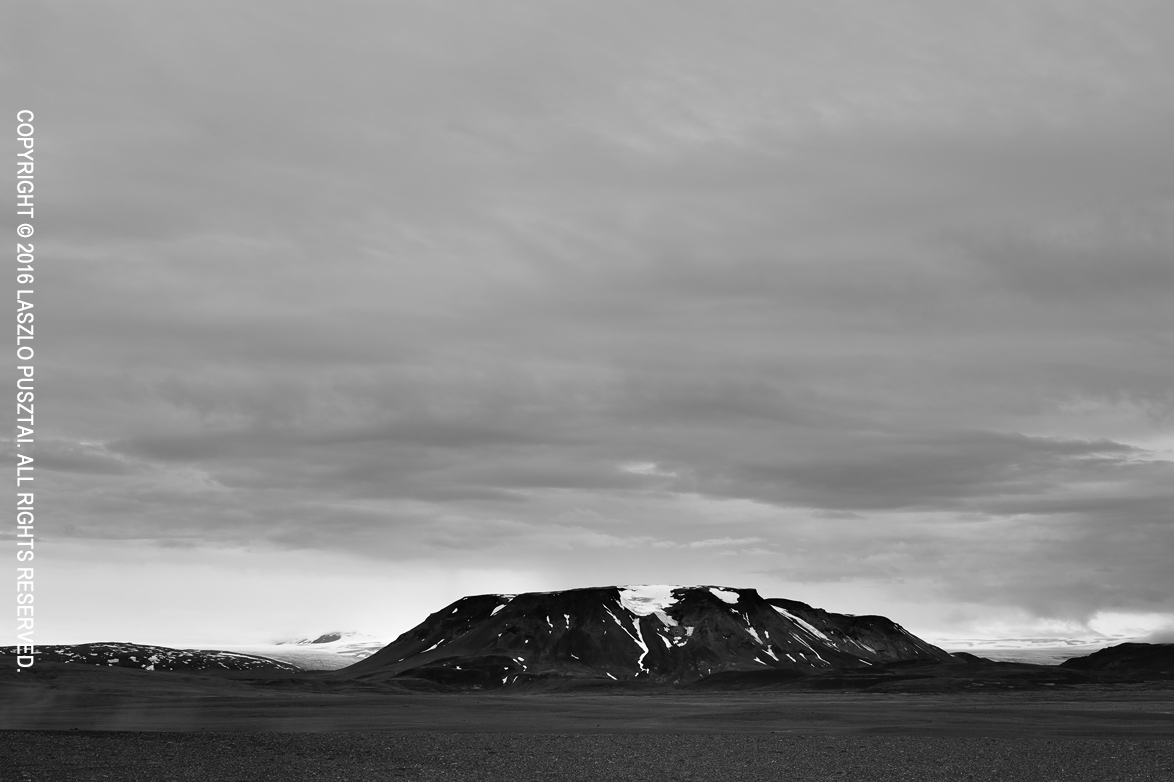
[{"x": 657, "y": 632}]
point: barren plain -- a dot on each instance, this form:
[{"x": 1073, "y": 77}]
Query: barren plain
[{"x": 68, "y": 722}]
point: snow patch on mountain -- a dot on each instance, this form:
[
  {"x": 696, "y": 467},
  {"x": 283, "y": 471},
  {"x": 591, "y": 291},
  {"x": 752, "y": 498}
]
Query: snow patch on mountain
[
  {"x": 650, "y": 599},
  {"x": 804, "y": 624},
  {"x": 725, "y": 595},
  {"x": 645, "y": 599}
]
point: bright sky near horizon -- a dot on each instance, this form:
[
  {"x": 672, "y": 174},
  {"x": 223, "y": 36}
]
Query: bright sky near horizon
[{"x": 348, "y": 309}]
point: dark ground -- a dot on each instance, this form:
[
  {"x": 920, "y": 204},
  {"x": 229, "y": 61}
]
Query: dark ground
[
  {"x": 72, "y": 722},
  {"x": 801, "y": 757}
]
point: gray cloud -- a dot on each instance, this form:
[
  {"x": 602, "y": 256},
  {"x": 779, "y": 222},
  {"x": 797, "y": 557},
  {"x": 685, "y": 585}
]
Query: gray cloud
[
  {"x": 88, "y": 458},
  {"x": 866, "y": 295}
]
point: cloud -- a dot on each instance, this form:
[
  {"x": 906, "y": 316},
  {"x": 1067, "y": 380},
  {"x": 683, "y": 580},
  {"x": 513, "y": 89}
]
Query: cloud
[
  {"x": 80, "y": 457},
  {"x": 1160, "y": 637},
  {"x": 875, "y": 297}
]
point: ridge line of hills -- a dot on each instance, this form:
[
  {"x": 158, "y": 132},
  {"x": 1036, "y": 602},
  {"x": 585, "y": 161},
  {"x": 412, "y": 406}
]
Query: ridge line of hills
[{"x": 642, "y": 635}]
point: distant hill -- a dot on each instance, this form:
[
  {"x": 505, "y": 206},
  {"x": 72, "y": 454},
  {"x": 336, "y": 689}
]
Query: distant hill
[
  {"x": 325, "y": 652},
  {"x": 336, "y": 638},
  {"x": 652, "y": 633},
  {"x": 154, "y": 658},
  {"x": 1135, "y": 659}
]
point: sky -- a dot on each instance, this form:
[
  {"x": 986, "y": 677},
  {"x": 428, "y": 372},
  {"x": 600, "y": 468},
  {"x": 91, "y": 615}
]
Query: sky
[{"x": 346, "y": 310}]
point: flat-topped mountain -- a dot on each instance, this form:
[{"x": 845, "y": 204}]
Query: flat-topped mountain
[{"x": 659, "y": 633}]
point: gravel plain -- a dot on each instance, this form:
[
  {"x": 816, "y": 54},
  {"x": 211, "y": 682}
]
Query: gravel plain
[
  {"x": 77, "y": 756},
  {"x": 70, "y": 723}
]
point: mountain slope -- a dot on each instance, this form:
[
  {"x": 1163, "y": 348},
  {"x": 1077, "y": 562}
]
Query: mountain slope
[
  {"x": 665, "y": 634},
  {"x": 1129, "y": 659}
]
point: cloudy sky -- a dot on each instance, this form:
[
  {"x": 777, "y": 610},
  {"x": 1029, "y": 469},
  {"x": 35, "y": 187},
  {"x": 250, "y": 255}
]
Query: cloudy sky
[{"x": 348, "y": 309}]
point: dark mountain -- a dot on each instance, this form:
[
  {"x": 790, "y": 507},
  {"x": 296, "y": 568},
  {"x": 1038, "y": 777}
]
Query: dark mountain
[
  {"x": 1131, "y": 659},
  {"x": 154, "y": 658},
  {"x": 661, "y": 634}
]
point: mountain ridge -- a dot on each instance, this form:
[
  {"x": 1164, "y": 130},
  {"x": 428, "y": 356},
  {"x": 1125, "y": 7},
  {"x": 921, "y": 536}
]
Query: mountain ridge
[
  {"x": 1128, "y": 658},
  {"x": 148, "y": 657}
]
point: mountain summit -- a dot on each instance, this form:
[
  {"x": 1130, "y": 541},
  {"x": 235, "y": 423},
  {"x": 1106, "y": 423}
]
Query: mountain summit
[{"x": 661, "y": 633}]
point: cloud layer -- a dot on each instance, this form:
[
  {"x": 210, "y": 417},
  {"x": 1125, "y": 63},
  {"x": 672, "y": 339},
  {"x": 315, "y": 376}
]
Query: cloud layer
[{"x": 867, "y": 304}]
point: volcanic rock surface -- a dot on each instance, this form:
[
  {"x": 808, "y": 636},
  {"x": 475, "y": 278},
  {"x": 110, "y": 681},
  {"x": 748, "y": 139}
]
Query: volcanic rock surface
[
  {"x": 154, "y": 658},
  {"x": 652, "y": 633}
]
